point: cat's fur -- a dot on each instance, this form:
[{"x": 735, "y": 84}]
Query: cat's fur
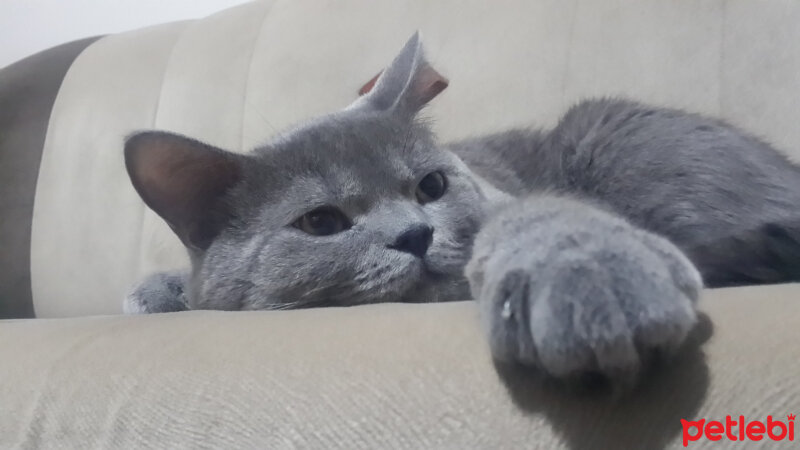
[{"x": 576, "y": 241}]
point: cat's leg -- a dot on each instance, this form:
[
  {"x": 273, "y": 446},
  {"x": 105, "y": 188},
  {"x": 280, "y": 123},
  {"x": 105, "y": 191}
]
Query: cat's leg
[
  {"x": 574, "y": 290},
  {"x": 159, "y": 292}
]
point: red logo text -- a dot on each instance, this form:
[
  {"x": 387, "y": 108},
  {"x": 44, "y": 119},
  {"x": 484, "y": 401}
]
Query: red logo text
[{"x": 738, "y": 430}]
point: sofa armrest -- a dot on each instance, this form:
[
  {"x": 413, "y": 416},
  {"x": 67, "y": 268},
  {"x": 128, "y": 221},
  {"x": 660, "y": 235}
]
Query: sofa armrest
[{"x": 413, "y": 376}]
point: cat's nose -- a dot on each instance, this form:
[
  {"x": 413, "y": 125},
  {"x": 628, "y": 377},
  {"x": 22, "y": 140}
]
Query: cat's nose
[{"x": 414, "y": 240}]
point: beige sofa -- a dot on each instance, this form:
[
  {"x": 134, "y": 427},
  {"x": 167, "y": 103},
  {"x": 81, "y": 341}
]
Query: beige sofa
[{"x": 75, "y": 236}]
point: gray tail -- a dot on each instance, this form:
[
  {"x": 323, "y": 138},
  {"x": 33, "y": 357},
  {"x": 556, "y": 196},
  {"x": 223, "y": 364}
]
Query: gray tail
[{"x": 766, "y": 255}]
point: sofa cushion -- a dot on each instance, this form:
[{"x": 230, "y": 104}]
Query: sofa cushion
[
  {"x": 235, "y": 78},
  {"x": 376, "y": 376}
]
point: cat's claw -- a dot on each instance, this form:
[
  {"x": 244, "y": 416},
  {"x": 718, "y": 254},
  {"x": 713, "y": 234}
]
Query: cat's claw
[
  {"x": 575, "y": 291},
  {"x": 506, "y": 313}
]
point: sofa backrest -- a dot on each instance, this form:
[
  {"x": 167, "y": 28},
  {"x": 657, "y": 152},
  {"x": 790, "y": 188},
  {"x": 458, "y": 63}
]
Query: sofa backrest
[{"x": 237, "y": 77}]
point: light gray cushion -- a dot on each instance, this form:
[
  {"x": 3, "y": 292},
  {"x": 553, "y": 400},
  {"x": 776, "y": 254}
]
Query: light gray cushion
[{"x": 382, "y": 376}]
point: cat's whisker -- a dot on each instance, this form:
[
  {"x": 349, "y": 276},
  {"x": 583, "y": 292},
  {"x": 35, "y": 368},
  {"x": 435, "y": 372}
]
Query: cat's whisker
[{"x": 282, "y": 306}]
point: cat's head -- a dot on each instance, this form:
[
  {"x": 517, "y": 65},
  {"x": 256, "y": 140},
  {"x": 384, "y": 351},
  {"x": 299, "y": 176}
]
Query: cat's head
[{"x": 354, "y": 207}]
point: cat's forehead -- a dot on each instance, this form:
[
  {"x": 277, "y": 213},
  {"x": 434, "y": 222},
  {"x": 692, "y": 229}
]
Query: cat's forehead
[{"x": 350, "y": 148}]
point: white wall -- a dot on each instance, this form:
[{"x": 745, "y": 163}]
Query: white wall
[{"x": 28, "y": 26}]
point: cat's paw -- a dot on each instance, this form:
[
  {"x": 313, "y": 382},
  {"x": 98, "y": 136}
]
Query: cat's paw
[
  {"x": 575, "y": 291},
  {"x": 158, "y": 293}
]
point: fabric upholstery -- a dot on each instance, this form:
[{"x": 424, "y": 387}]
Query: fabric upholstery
[
  {"x": 237, "y": 77},
  {"x": 87, "y": 218},
  {"x": 399, "y": 376},
  {"x": 381, "y": 376},
  {"x": 28, "y": 89}
]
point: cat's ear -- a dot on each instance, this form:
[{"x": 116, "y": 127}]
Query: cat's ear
[
  {"x": 184, "y": 181},
  {"x": 406, "y": 85}
]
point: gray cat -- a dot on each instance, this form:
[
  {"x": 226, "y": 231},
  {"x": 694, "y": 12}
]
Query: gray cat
[{"x": 584, "y": 245}]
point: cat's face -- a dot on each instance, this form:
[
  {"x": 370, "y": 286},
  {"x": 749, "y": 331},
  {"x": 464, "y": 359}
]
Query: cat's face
[{"x": 354, "y": 207}]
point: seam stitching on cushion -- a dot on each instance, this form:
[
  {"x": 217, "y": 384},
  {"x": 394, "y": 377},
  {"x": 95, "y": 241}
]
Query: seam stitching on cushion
[
  {"x": 249, "y": 75},
  {"x": 568, "y": 56},
  {"x": 157, "y": 109},
  {"x": 721, "y": 68}
]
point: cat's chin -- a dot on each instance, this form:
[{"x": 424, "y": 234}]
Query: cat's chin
[
  {"x": 434, "y": 286},
  {"x": 415, "y": 280}
]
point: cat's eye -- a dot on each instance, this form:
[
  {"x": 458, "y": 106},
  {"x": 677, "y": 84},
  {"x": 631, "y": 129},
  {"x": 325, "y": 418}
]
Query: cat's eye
[
  {"x": 323, "y": 221},
  {"x": 431, "y": 187}
]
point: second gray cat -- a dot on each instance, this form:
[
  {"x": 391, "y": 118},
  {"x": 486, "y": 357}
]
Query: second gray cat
[{"x": 586, "y": 245}]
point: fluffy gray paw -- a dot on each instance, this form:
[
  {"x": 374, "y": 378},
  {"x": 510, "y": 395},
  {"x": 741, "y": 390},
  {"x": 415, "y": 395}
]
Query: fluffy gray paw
[
  {"x": 573, "y": 290},
  {"x": 158, "y": 293}
]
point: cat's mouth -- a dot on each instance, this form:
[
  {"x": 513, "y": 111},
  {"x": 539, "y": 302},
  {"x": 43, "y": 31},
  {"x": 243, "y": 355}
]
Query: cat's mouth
[
  {"x": 431, "y": 271},
  {"x": 398, "y": 278},
  {"x": 435, "y": 285}
]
